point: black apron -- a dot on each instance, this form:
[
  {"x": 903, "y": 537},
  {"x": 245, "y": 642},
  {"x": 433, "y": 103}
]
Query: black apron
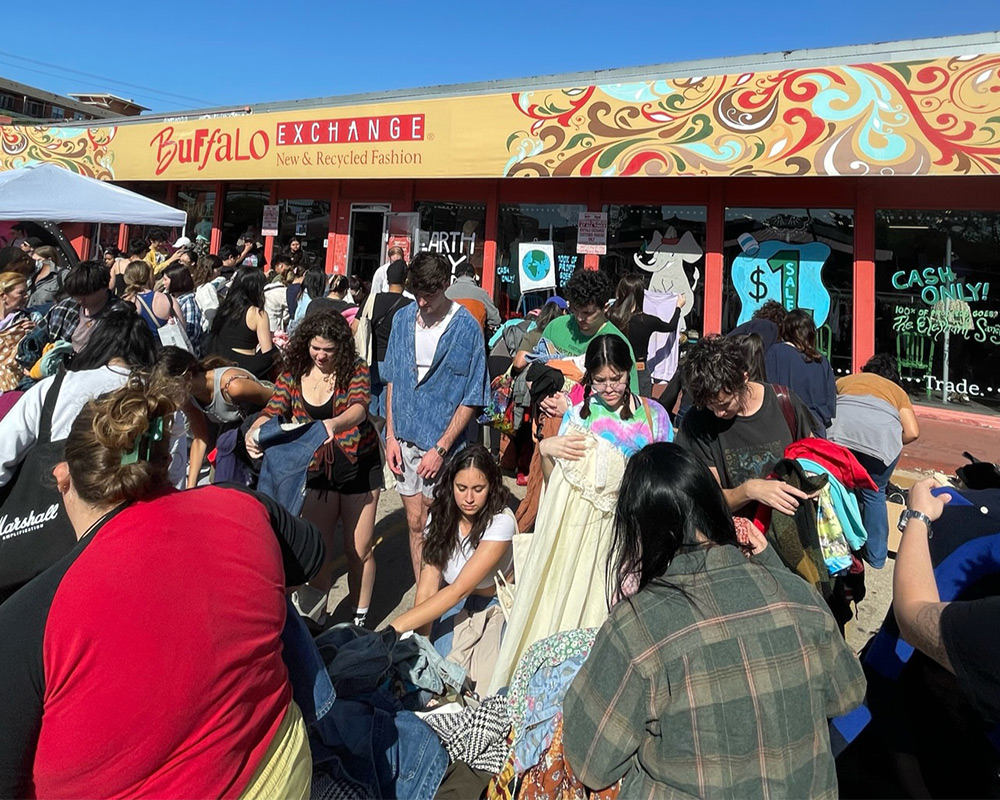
[{"x": 35, "y": 531}]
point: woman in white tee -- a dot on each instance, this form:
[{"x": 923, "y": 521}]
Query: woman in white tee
[{"x": 467, "y": 540}]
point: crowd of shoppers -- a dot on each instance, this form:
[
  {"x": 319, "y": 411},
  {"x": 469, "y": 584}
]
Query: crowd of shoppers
[{"x": 657, "y": 618}]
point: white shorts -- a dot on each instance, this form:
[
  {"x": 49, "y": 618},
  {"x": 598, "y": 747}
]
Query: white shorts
[{"x": 409, "y": 483}]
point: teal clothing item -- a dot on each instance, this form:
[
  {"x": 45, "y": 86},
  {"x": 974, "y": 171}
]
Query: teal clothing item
[
  {"x": 845, "y": 504},
  {"x": 500, "y": 331}
]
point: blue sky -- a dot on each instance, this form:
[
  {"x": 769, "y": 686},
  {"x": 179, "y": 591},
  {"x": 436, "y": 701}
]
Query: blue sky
[{"x": 194, "y": 54}]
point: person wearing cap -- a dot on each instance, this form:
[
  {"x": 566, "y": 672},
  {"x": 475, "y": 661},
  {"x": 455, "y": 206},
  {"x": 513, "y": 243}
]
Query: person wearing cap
[
  {"x": 182, "y": 253},
  {"x": 466, "y": 287},
  {"x": 30, "y": 244},
  {"x": 384, "y": 308}
]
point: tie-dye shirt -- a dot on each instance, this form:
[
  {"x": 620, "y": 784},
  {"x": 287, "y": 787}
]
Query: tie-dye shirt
[{"x": 628, "y": 435}]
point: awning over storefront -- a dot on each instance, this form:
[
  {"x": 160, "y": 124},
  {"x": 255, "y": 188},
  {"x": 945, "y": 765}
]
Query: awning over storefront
[{"x": 52, "y": 193}]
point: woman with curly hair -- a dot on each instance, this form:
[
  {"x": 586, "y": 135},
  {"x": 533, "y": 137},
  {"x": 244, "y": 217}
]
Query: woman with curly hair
[
  {"x": 324, "y": 379},
  {"x": 467, "y": 539}
]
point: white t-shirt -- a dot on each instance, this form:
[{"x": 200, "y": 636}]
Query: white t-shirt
[
  {"x": 427, "y": 339},
  {"x": 19, "y": 429},
  {"x": 501, "y": 529}
]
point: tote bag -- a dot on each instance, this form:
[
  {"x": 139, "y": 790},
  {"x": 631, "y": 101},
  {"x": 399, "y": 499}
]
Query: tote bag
[
  {"x": 34, "y": 529},
  {"x": 171, "y": 333}
]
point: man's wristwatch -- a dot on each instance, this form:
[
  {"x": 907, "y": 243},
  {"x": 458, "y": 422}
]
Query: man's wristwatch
[
  {"x": 909, "y": 514},
  {"x": 441, "y": 451}
]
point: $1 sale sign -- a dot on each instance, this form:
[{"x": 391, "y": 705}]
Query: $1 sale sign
[{"x": 788, "y": 273}]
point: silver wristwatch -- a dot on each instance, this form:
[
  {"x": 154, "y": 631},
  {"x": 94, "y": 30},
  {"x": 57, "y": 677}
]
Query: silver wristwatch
[{"x": 909, "y": 514}]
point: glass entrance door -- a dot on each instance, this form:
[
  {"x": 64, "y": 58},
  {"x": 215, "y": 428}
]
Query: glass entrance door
[{"x": 367, "y": 241}]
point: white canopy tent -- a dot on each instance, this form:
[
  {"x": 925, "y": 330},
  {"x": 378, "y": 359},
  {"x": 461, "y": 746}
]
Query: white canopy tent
[{"x": 51, "y": 193}]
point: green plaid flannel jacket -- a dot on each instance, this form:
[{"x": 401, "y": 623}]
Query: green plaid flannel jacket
[{"x": 715, "y": 681}]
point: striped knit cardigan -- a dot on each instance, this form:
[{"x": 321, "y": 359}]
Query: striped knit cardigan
[{"x": 287, "y": 403}]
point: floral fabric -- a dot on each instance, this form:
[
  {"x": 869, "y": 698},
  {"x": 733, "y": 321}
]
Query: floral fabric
[{"x": 553, "y": 778}]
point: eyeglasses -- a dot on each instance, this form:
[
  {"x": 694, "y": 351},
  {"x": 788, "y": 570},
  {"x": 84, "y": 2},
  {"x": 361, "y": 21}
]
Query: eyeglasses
[{"x": 614, "y": 386}]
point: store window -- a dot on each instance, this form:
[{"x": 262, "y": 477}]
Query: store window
[
  {"x": 199, "y": 203},
  {"x": 456, "y": 230},
  {"x": 107, "y": 236},
  {"x": 243, "y": 209},
  {"x": 305, "y": 220},
  {"x": 665, "y": 244},
  {"x": 799, "y": 257},
  {"x": 553, "y": 228},
  {"x": 937, "y": 303}
]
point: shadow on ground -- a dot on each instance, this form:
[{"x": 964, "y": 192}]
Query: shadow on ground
[{"x": 393, "y": 579}]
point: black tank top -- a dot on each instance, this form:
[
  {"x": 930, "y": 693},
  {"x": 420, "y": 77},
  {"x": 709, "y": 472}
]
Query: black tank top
[{"x": 324, "y": 411}]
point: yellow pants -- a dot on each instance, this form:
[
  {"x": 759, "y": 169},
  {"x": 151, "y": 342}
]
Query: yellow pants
[{"x": 286, "y": 770}]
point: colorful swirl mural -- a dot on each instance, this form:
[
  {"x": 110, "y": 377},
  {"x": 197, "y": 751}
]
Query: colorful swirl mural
[
  {"x": 82, "y": 150},
  {"x": 914, "y": 118}
]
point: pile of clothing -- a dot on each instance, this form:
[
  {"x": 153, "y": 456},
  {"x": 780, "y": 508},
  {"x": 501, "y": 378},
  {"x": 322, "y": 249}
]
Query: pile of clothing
[{"x": 822, "y": 539}]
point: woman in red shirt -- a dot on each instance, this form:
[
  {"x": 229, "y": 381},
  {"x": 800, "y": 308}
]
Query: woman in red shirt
[{"x": 147, "y": 661}]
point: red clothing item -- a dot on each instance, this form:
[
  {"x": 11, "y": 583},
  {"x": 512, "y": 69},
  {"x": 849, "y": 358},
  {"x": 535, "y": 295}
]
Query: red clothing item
[
  {"x": 162, "y": 661},
  {"x": 839, "y": 460}
]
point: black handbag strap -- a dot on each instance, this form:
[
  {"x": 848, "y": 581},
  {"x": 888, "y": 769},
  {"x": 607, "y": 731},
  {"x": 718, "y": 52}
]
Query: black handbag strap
[
  {"x": 393, "y": 308},
  {"x": 49, "y": 407}
]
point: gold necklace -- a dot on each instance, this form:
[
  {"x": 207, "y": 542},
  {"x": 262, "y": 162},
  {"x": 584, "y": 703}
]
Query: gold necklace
[{"x": 325, "y": 379}]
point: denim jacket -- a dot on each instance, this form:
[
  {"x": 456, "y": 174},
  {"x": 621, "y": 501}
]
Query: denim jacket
[
  {"x": 422, "y": 411},
  {"x": 288, "y": 451}
]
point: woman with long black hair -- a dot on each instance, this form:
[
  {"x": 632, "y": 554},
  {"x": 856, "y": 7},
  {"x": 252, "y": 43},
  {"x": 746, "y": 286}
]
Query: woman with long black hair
[
  {"x": 241, "y": 331},
  {"x": 717, "y": 676},
  {"x": 561, "y": 589},
  {"x": 467, "y": 540}
]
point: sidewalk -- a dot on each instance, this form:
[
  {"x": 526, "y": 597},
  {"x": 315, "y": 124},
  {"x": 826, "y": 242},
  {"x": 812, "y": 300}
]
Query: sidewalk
[{"x": 942, "y": 442}]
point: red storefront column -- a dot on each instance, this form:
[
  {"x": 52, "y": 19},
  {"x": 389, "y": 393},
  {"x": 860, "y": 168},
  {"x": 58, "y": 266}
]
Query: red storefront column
[
  {"x": 863, "y": 346},
  {"x": 490, "y": 243},
  {"x": 269, "y": 240},
  {"x": 220, "y": 195},
  {"x": 715, "y": 232},
  {"x": 341, "y": 225},
  {"x": 592, "y": 261},
  {"x": 332, "y": 228},
  {"x": 78, "y": 234}
]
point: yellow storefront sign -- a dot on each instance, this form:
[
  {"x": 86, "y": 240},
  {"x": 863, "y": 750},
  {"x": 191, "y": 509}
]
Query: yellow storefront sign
[{"x": 939, "y": 117}]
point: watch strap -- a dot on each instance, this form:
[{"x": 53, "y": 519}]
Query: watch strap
[{"x": 909, "y": 514}]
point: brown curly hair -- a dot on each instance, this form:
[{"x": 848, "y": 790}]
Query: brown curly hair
[{"x": 329, "y": 325}]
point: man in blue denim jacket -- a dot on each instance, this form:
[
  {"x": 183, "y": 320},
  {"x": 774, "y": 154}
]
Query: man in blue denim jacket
[{"x": 435, "y": 372}]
